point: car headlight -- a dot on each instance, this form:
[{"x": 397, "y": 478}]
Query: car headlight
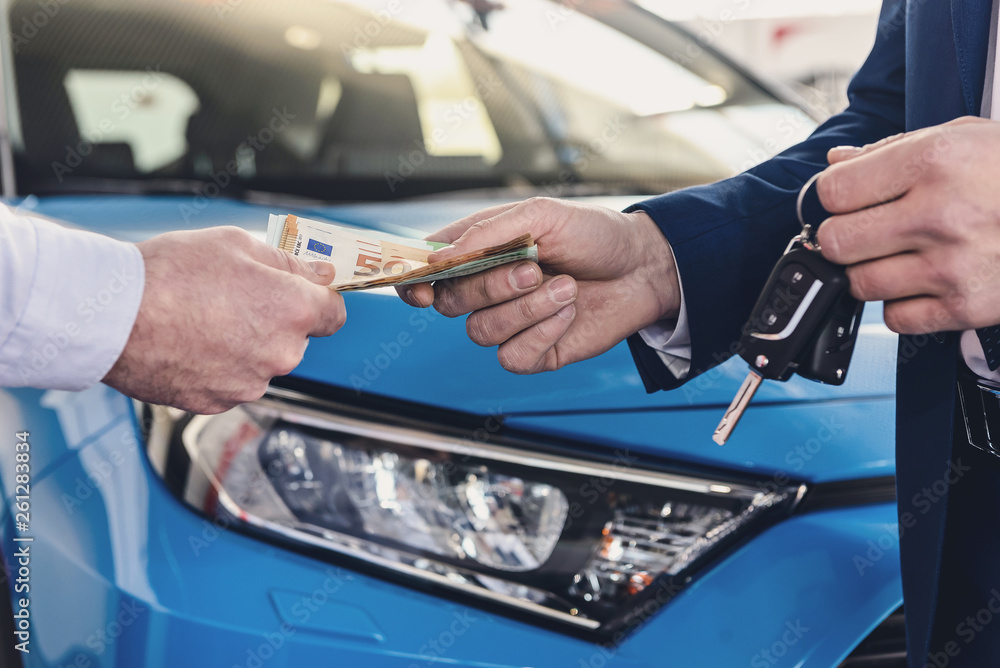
[{"x": 582, "y": 543}]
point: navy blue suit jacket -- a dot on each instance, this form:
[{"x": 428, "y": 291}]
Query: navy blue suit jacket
[{"x": 927, "y": 67}]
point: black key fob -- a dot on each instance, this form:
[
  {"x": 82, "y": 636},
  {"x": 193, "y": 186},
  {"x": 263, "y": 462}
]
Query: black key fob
[{"x": 792, "y": 314}]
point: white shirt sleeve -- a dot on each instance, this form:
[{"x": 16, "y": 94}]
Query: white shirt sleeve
[
  {"x": 68, "y": 300},
  {"x": 671, "y": 339}
]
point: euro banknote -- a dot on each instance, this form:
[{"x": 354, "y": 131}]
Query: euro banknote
[{"x": 364, "y": 259}]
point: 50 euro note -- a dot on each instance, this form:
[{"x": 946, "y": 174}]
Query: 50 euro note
[{"x": 364, "y": 259}]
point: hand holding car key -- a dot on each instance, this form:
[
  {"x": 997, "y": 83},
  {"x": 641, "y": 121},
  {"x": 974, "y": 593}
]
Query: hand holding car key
[{"x": 805, "y": 321}]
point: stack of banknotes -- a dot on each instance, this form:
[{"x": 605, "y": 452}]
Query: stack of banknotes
[{"x": 365, "y": 259}]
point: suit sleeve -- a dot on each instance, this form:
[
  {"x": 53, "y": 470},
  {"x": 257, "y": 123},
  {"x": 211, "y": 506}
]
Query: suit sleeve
[{"x": 727, "y": 236}]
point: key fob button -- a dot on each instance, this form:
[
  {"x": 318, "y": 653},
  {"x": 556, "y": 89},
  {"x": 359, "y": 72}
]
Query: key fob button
[
  {"x": 841, "y": 328},
  {"x": 797, "y": 276},
  {"x": 774, "y": 322}
]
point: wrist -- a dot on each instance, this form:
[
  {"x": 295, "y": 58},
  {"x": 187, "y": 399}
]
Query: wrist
[
  {"x": 655, "y": 272},
  {"x": 119, "y": 376}
]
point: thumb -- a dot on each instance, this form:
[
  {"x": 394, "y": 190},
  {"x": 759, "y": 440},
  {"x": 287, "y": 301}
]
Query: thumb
[
  {"x": 320, "y": 273},
  {"x": 323, "y": 272},
  {"x": 533, "y": 216}
]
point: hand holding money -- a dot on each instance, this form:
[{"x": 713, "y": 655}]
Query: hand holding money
[
  {"x": 366, "y": 259},
  {"x": 221, "y": 314},
  {"x": 601, "y": 276}
]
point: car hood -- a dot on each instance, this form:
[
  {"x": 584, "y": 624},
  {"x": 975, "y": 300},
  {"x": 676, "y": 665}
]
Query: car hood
[{"x": 390, "y": 349}]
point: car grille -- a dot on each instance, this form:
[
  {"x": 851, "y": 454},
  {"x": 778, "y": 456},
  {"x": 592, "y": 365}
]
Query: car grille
[{"x": 885, "y": 647}]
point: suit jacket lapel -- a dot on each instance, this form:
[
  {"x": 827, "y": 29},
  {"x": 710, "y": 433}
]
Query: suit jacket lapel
[{"x": 971, "y": 25}]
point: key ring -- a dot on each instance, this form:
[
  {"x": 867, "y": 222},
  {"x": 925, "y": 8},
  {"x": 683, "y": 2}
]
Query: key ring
[{"x": 810, "y": 211}]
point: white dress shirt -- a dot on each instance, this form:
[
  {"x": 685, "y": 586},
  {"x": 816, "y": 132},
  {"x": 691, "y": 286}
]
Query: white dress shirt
[
  {"x": 68, "y": 300},
  {"x": 672, "y": 339}
]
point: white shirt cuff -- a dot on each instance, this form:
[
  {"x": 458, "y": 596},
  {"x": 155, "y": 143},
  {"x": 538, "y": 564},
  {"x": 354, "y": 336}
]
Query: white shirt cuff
[{"x": 81, "y": 301}]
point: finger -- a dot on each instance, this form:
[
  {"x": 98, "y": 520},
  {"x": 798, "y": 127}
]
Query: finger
[
  {"x": 534, "y": 349},
  {"x": 894, "y": 277},
  {"x": 420, "y": 295},
  {"x": 328, "y": 310},
  {"x": 535, "y": 216},
  {"x": 493, "y": 326},
  {"x": 459, "y": 296},
  {"x": 842, "y": 153},
  {"x": 878, "y": 175},
  {"x": 919, "y": 315},
  {"x": 879, "y": 231},
  {"x": 453, "y": 231},
  {"x": 320, "y": 273}
]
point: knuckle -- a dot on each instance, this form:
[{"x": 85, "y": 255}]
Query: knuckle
[
  {"x": 285, "y": 261},
  {"x": 489, "y": 288},
  {"x": 829, "y": 187},
  {"x": 957, "y": 222},
  {"x": 947, "y": 272},
  {"x": 339, "y": 316},
  {"x": 539, "y": 202},
  {"x": 890, "y": 139},
  {"x": 250, "y": 393},
  {"x": 285, "y": 363},
  {"x": 863, "y": 285},
  {"x": 211, "y": 403},
  {"x": 446, "y": 300},
  {"x": 235, "y": 235},
  {"x": 525, "y": 311},
  {"x": 960, "y": 315},
  {"x": 481, "y": 330},
  {"x": 550, "y": 362},
  {"x": 828, "y": 236},
  {"x": 298, "y": 315},
  {"x": 484, "y": 226},
  {"x": 892, "y": 318}
]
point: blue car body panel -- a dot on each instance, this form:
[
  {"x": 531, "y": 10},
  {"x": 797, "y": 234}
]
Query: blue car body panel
[
  {"x": 115, "y": 551},
  {"x": 124, "y": 575}
]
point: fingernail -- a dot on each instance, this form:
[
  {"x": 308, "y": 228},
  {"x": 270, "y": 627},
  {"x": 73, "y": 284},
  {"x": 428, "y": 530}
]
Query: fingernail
[
  {"x": 445, "y": 250},
  {"x": 408, "y": 297},
  {"x": 524, "y": 276},
  {"x": 320, "y": 268},
  {"x": 562, "y": 290},
  {"x": 844, "y": 151},
  {"x": 566, "y": 312}
]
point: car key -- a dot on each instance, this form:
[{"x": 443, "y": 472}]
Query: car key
[{"x": 805, "y": 320}]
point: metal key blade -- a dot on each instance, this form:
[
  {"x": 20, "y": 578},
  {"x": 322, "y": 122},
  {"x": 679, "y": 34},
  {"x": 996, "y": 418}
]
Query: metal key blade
[{"x": 735, "y": 410}]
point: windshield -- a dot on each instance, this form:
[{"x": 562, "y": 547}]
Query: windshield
[{"x": 376, "y": 99}]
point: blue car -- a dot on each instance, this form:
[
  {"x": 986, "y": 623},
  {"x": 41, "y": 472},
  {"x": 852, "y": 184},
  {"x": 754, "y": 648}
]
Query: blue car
[{"x": 400, "y": 499}]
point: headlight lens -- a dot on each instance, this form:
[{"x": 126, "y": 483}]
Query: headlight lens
[
  {"x": 578, "y": 542},
  {"x": 454, "y": 510}
]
